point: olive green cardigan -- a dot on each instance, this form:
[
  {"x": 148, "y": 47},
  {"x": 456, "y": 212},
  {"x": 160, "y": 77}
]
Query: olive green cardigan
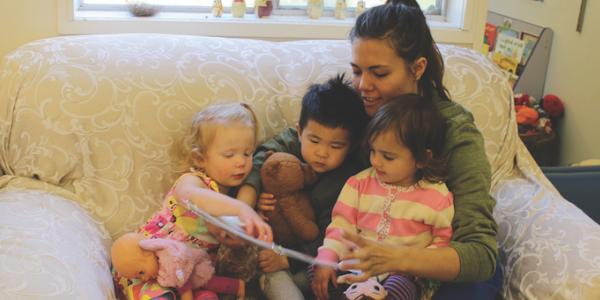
[{"x": 469, "y": 179}]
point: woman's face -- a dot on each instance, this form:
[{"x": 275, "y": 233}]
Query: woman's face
[{"x": 379, "y": 73}]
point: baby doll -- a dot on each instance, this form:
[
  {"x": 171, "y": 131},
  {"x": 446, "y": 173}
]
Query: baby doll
[{"x": 135, "y": 256}]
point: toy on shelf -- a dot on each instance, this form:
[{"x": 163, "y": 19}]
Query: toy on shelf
[
  {"x": 537, "y": 120},
  {"x": 536, "y": 116}
]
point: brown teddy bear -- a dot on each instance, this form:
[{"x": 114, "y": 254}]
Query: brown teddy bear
[{"x": 293, "y": 220}]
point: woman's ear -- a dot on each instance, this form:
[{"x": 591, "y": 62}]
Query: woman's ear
[{"x": 419, "y": 67}]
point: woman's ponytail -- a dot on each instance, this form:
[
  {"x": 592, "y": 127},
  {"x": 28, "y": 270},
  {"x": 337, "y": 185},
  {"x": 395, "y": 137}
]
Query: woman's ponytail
[{"x": 412, "y": 3}]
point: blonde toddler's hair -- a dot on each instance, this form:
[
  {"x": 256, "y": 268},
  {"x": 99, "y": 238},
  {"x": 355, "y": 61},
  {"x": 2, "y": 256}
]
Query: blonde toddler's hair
[{"x": 206, "y": 122}]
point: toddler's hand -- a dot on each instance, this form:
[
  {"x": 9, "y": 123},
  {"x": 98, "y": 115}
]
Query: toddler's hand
[
  {"x": 266, "y": 203},
  {"x": 269, "y": 261},
  {"x": 255, "y": 225},
  {"x": 320, "y": 283}
]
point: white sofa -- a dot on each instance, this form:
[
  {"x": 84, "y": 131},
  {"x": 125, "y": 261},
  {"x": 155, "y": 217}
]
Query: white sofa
[{"x": 87, "y": 125}]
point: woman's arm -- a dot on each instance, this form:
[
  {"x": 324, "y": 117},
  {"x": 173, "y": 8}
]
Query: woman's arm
[
  {"x": 469, "y": 179},
  {"x": 376, "y": 258}
]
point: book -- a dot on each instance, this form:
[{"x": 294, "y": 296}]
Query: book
[
  {"x": 508, "y": 53},
  {"x": 507, "y": 30},
  {"x": 530, "y": 40},
  {"x": 489, "y": 36},
  {"x": 233, "y": 225}
]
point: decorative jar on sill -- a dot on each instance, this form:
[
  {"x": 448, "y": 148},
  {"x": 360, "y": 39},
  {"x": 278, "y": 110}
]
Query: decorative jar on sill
[
  {"x": 217, "y": 8},
  {"x": 360, "y": 7},
  {"x": 263, "y": 8},
  {"x": 314, "y": 8},
  {"x": 340, "y": 9},
  {"x": 142, "y": 8},
  {"x": 238, "y": 8}
]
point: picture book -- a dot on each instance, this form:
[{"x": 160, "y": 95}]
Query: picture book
[
  {"x": 489, "y": 35},
  {"x": 508, "y": 52},
  {"x": 530, "y": 41}
]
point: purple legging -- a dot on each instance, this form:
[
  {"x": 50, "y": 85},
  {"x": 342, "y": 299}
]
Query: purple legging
[
  {"x": 397, "y": 286},
  {"x": 400, "y": 288}
]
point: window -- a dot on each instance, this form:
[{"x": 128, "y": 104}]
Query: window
[
  {"x": 452, "y": 21},
  {"x": 432, "y": 7}
]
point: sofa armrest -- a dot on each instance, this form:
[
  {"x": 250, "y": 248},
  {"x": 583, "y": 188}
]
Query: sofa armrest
[
  {"x": 51, "y": 249},
  {"x": 580, "y": 185}
]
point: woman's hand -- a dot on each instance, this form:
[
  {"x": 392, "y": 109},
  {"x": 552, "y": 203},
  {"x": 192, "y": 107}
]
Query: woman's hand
[
  {"x": 255, "y": 226},
  {"x": 370, "y": 257},
  {"x": 375, "y": 258},
  {"x": 269, "y": 261},
  {"x": 266, "y": 203},
  {"x": 320, "y": 283}
]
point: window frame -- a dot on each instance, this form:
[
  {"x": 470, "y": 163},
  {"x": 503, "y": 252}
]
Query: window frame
[
  {"x": 288, "y": 10},
  {"x": 463, "y": 24}
]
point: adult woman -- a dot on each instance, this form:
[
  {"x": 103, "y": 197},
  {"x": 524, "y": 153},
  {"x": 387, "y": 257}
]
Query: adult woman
[{"x": 393, "y": 53}]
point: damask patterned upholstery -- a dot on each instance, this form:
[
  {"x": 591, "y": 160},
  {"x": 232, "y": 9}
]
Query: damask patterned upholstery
[{"x": 89, "y": 127}]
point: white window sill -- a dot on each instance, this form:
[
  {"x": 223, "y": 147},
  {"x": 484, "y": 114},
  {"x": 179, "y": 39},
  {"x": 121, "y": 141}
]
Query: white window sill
[{"x": 273, "y": 28}]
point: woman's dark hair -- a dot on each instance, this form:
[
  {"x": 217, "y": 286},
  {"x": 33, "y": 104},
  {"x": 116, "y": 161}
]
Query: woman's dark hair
[
  {"x": 403, "y": 24},
  {"x": 419, "y": 126}
]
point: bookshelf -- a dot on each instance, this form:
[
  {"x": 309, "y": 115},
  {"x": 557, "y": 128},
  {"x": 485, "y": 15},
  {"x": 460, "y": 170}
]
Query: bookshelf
[{"x": 538, "y": 40}]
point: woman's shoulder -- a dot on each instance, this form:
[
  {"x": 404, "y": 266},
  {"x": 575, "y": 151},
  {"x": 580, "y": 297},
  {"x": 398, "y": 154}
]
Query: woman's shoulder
[
  {"x": 454, "y": 113},
  {"x": 459, "y": 121}
]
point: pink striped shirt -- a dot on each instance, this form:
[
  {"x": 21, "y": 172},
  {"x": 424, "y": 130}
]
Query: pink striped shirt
[{"x": 418, "y": 216}]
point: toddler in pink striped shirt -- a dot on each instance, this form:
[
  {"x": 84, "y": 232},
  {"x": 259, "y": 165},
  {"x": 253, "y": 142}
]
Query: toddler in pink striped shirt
[{"x": 401, "y": 199}]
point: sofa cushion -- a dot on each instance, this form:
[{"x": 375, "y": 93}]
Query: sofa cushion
[{"x": 51, "y": 249}]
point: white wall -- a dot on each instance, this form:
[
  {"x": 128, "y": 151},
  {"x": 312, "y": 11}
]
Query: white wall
[
  {"x": 574, "y": 69},
  {"x": 23, "y": 21}
]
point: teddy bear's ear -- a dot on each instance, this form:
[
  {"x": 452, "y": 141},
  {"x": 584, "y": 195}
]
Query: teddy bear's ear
[
  {"x": 273, "y": 169},
  {"x": 268, "y": 153},
  {"x": 310, "y": 176}
]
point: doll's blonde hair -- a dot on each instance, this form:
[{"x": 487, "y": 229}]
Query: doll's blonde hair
[{"x": 206, "y": 122}]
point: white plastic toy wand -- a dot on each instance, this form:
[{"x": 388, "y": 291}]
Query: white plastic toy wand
[{"x": 237, "y": 230}]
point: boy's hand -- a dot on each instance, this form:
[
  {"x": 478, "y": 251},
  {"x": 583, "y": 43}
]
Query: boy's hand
[
  {"x": 320, "y": 283},
  {"x": 269, "y": 261},
  {"x": 255, "y": 226},
  {"x": 266, "y": 202}
]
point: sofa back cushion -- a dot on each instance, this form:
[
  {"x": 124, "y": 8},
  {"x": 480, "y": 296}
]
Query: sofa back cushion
[{"x": 96, "y": 118}]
